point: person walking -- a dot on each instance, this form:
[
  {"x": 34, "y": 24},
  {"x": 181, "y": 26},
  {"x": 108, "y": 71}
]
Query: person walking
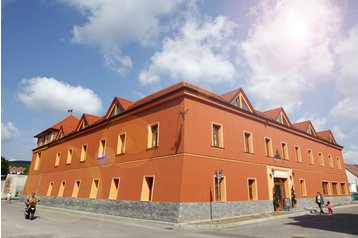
[
  {"x": 320, "y": 202},
  {"x": 8, "y": 197},
  {"x": 330, "y": 208}
]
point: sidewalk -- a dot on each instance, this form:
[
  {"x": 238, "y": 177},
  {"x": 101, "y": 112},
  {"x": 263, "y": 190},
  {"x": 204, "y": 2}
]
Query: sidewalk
[{"x": 255, "y": 218}]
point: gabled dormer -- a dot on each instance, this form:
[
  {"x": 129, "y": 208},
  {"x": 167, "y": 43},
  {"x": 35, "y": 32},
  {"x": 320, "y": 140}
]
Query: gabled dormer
[
  {"x": 83, "y": 124},
  {"x": 53, "y": 133},
  {"x": 327, "y": 135},
  {"x": 279, "y": 115},
  {"x": 305, "y": 126},
  {"x": 117, "y": 106},
  {"x": 86, "y": 120},
  {"x": 239, "y": 99}
]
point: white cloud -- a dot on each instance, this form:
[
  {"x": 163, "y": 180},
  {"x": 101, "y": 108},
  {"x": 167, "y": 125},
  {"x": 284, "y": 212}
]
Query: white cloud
[
  {"x": 346, "y": 109},
  {"x": 288, "y": 48},
  {"x": 111, "y": 24},
  {"x": 351, "y": 155},
  {"x": 8, "y": 132},
  {"x": 339, "y": 134},
  {"x": 52, "y": 96},
  {"x": 199, "y": 53},
  {"x": 347, "y": 52}
]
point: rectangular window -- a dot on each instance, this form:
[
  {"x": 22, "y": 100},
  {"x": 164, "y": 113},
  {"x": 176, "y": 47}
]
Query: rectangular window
[
  {"x": 298, "y": 154},
  {"x": 83, "y": 156},
  {"x": 339, "y": 165},
  {"x": 102, "y": 149},
  {"x": 121, "y": 144},
  {"x": 94, "y": 188},
  {"x": 76, "y": 188},
  {"x": 62, "y": 188},
  {"x": 310, "y": 156},
  {"x": 284, "y": 151},
  {"x": 37, "y": 161},
  {"x": 252, "y": 187},
  {"x": 330, "y": 161},
  {"x": 217, "y": 136},
  {"x": 69, "y": 156},
  {"x": 321, "y": 160},
  {"x": 268, "y": 147},
  {"x": 147, "y": 189},
  {"x": 153, "y": 136},
  {"x": 248, "y": 143},
  {"x": 58, "y": 157},
  {"x": 334, "y": 188},
  {"x": 113, "y": 193},
  {"x": 220, "y": 189},
  {"x": 343, "y": 188},
  {"x": 49, "y": 190},
  {"x": 303, "y": 187},
  {"x": 325, "y": 188}
]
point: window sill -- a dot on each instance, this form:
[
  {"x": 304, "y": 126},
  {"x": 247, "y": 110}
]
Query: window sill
[
  {"x": 217, "y": 147},
  {"x": 269, "y": 156},
  {"x": 121, "y": 154},
  {"x": 152, "y": 148},
  {"x": 68, "y": 163},
  {"x": 82, "y": 161},
  {"x": 100, "y": 158},
  {"x": 249, "y": 153},
  {"x": 56, "y": 166}
]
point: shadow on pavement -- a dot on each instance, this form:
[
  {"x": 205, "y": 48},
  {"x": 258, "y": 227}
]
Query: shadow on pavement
[{"x": 342, "y": 222}]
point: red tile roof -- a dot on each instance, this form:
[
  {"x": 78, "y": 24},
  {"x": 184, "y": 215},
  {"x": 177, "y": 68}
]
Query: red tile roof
[
  {"x": 229, "y": 96},
  {"x": 91, "y": 118},
  {"x": 124, "y": 103},
  {"x": 67, "y": 123},
  {"x": 273, "y": 113},
  {"x": 353, "y": 168}
]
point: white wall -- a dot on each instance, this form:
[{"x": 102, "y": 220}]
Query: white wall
[{"x": 353, "y": 181}]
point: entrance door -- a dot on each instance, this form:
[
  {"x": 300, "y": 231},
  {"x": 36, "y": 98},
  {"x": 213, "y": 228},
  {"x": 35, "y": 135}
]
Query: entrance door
[{"x": 280, "y": 190}]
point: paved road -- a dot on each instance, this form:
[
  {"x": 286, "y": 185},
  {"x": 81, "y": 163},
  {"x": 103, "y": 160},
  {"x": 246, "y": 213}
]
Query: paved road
[{"x": 55, "y": 223}]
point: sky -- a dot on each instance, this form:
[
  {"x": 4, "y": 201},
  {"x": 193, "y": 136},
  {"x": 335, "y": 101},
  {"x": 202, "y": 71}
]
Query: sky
[{"x": 79, "y": 54}]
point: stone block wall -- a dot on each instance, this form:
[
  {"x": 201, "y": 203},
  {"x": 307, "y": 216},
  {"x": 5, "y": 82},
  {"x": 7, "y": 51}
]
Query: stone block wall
[{"x": 174, "y": 212}]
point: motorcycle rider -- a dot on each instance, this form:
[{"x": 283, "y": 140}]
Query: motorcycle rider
[{"x": 31, "y": 201}]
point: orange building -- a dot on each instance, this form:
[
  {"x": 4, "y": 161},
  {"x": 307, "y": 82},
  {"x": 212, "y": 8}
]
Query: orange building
[{"x": 185, "y": 154}]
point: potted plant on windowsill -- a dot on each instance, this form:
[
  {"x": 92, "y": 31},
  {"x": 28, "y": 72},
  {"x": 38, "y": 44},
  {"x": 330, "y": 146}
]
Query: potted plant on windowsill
[
  {"x": 276, "y": 204},
  {"x": 293, "y": 197}
]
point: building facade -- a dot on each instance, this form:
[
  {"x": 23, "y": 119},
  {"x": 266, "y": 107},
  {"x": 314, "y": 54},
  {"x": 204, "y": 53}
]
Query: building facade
[{"x": 185, "y": 154}]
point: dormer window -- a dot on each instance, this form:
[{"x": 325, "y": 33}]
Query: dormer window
[
  {"x": 55, "y": 133},
  {"x": 115, "y": 111},
  {"x": 282, "y": 119},
  {"x": 84, "y": 124},
  {"x": 241, "y": 103},
  {"x": 308, "y": 131}
]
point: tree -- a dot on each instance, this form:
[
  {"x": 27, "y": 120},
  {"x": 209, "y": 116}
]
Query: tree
[{"x": 4, "y": 166}]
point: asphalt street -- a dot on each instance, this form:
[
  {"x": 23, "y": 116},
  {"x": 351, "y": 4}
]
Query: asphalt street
[{"x": 53, "y": 222}]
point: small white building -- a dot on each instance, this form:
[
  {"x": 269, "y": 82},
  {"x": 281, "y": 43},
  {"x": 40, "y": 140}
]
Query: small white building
[
  {"x": 13, "y": 184},
  {"x": 352, "y": 175}
]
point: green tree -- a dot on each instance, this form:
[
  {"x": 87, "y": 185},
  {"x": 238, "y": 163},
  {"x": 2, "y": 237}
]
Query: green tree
[{"x": 4, "y": 166}]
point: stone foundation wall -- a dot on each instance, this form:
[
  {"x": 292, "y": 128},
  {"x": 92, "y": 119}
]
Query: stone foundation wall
[
  {"x": 311, "y": 202},
  {"x": 174, "y": 212}
]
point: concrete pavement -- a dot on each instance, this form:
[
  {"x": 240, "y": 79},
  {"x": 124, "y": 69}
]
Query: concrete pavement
[{"x": 54, "y": 222}]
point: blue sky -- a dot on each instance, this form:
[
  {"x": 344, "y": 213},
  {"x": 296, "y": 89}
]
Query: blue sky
[{"x": 57, "y": 55}]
